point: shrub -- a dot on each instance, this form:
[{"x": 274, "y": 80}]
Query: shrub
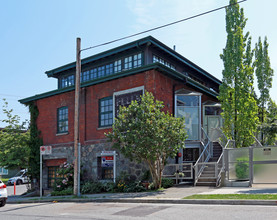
[
  {"x": 134, "y": 187},
  {"x": 242, "y": 168},
  {"x": 120, "y": 186},
  {"x": 146, "y": 176},
  {"x": 92, "y": 187},
  {"x": 68, "y": 191},
  {"x": 166, "y": 183},
  {"x": 109, "y": 187},
  {"x": 66, "y": 171}
]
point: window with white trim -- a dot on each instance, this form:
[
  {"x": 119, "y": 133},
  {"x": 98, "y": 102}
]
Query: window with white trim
[{"x": 62, "y": 122}]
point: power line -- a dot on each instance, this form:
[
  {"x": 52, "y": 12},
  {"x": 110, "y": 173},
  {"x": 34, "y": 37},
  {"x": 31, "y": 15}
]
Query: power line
[{"x": 162, "y": 26}]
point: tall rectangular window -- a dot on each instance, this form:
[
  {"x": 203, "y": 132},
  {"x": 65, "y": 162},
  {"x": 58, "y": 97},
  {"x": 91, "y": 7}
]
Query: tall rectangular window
[
  {"x": 106, "y": 112},
  {"x": 188, "y": 106},
  {"x": 62, "y": 120}
]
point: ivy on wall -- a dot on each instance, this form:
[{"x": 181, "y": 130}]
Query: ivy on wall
[{"x": 35, "y": 143}]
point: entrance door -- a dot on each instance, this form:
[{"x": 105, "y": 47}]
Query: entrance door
[
  {"x": 213, "y": 121},
  {"x": 190, "y": 155}
]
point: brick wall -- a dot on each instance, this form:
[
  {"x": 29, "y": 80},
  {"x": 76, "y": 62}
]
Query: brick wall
[{"x": 159, "y": 84}]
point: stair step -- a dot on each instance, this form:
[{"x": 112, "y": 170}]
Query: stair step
[
  {"x": 208, "y": 169},
  {"x": 210, "y": 180},
  {"x": 205, "y": 184},
  {"x": 207, "y": 175},
  {"x": 208, "y": 172}
]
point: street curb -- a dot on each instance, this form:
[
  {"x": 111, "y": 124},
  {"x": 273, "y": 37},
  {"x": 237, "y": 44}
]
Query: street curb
[{"x": 164, "y": 201}]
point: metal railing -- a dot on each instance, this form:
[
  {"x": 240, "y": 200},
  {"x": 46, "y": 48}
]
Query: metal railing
[
  {"x": 217, "y": 166},
  {"x": 178, "y": 172},
  {"x": 205, "y": 155},
  {"x": 258, "y": 142}
]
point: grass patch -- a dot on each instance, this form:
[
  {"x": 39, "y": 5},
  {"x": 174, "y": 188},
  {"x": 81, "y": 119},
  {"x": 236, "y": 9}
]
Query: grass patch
[
  {"x": 5, "y": 180},
  {"x": 234, "y": 196}
]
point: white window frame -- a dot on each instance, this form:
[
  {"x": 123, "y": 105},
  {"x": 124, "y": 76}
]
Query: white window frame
[{"x": 125, "y": 92}]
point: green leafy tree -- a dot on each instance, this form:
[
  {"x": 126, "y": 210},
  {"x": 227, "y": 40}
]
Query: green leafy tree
[
  {"x": 269, "y": 127},
  {"x": 34, "y": 145},
  {"x": 144, "y": 133},
  {"x": 237, "y": 91},
  {"x": 264, "y": 74},
  {"x": 14, "y": 139}
]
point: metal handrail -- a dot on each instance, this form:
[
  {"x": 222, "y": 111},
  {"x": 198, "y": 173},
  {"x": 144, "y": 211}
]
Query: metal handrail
[
  {"x": 177, "y": 171},
  {"x": 259, "y": 143},
  {"x": 205, "y": 147},
  {"x": 205, "y": 151}
]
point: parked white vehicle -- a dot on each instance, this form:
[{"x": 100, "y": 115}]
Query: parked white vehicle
[
  {"x": 20, "y": 178},
  {"x": 3, "y": 194}
]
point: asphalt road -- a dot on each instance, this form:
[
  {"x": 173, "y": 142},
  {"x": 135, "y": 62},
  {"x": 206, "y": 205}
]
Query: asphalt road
[{"x": 134, "y": 211}]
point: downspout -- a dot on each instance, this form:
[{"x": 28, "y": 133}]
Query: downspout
[{"x": 173, "y": 111}]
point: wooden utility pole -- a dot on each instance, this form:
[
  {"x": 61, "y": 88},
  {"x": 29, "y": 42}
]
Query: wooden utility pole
[{"x": 76, "y": 118}]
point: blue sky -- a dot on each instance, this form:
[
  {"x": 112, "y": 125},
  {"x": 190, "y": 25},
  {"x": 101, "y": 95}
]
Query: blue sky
[{"x": 37, "y": 36}]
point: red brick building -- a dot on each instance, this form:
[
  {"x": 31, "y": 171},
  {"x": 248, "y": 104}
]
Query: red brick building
[{"x": 113, "y": 78}]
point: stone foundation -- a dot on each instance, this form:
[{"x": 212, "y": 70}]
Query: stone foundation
[{"x": 89, "y": 154}]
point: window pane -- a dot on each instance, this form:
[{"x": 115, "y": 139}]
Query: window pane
[
  {"x": 188, "y": 107},
  {"x": 187, "y": 100},
  {"x": 62, "y": 119},
  {"x": 106, "y": 112},
  {"x": 191, "y": 121}
]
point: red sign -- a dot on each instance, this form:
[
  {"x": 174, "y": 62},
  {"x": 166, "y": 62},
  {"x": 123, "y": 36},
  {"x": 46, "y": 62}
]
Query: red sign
[
  {"x": 179, "y": 154},
  {"x": 107, "y": 161},
  {"x": 108, "y": 157}
]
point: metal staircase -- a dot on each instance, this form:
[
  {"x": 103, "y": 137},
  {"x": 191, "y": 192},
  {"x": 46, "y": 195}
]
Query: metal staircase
[{"x": 210, "y": 175}]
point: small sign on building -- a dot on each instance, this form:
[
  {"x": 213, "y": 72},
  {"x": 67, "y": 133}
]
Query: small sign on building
[
  {"x": 107, "y": 161},
  {"x": 267, "y": 151},
  {"x": 45, "y": 150}
]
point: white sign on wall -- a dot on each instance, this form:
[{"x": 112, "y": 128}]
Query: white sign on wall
[{"x": 45, "y": 150}]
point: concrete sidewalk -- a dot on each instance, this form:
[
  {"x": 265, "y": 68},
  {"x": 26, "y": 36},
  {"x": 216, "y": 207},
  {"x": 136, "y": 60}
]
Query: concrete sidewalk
[{"x": 173, "y": 195}]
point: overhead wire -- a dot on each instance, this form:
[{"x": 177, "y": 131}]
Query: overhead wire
[{"x": 162, "y": 26}]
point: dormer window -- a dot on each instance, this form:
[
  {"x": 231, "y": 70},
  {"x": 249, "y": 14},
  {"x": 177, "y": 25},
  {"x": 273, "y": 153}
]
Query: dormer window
[
  {"x": 133, "y": 61},
  {"x": 157, "y": 59},
  {"x": 67, "y": 81}
]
